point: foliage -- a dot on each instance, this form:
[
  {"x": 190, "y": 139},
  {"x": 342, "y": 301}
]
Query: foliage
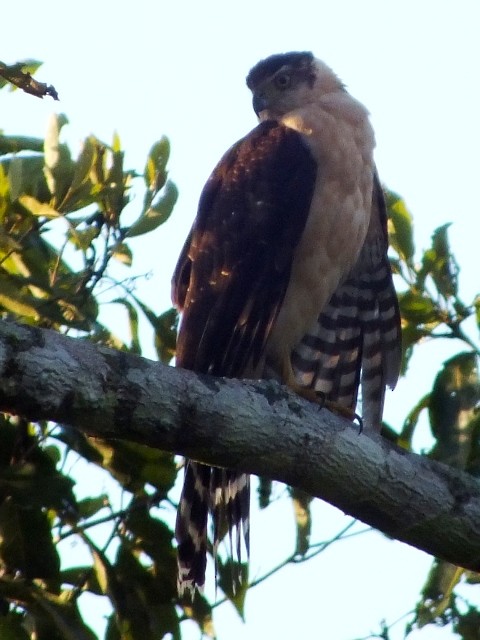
[
  {"x": 65, "y": 247},
  {"x": 432, "y": 309}
]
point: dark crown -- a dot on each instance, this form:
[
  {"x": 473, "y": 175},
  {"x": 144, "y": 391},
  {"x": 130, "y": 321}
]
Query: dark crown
[{"x": 300, "y": 60}]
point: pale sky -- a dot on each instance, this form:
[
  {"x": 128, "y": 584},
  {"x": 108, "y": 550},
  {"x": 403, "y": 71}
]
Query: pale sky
[{"x": 149, "y": 68}]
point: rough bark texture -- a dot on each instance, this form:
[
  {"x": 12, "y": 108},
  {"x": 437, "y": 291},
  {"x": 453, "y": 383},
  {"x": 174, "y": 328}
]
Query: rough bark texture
[{"x": 258, "y": 427}]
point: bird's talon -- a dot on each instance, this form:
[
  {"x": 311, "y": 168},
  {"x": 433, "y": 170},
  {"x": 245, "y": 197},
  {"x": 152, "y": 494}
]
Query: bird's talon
[{"x": 360, "y": 422}]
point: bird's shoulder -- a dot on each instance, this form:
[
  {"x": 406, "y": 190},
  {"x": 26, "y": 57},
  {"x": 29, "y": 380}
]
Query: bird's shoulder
[
  {"x": 259, "y": 192},
  {"x": 235, "y": 266}
]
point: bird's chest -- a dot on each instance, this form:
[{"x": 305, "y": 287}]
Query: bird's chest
[{"x": 334, "y": 233}]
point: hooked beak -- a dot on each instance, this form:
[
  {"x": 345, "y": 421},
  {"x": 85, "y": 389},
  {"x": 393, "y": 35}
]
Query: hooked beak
[{"x": 259, "y": 103}]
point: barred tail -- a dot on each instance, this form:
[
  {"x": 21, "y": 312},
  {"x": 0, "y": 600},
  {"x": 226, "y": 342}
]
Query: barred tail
[
  {"x": 355, "y": 339},
  {"x": 191, "y": 528},
  {"x": 226, "y": 495}
]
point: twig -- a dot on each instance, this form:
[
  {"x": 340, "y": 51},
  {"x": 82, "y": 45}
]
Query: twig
[{"x": 14, "y": 74}]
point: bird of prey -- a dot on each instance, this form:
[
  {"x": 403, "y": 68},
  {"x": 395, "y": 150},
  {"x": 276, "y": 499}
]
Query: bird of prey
[{"x": 285, "y": 275}]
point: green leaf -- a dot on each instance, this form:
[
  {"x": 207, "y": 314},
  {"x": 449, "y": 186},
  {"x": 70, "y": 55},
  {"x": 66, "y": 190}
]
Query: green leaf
[
  {"x": 200, "y": 610},
  {"x": 411, "y": 421},
  {"x": 303, "y": 518},
  {"x": 135, "y": 346},
  {"x": 59, "y": 167},
  {"x": 83, "y": 577},
  {"x": 437, "y": 594},
  {"x": 400, "y": 226},
  {"x": 61, "y": 617},
  {"x": 83, "y": 165},
  {"x": 468, "y": 624},
  {"x": 476, "y": 304},
  {"x": 418, "y": 308},
  {"x": 153, "y": 537},
  {"x": 123, "y": 253},
  {"x": 23, "y": 531},
  {"x": 15, "y": 177},
  {"x": 116, "y": 143},
  {"x": 135, "y": 465},
  {"x": 453, "y": 402},
  {"x": 439, "y": 263},
  {"x": 165, "y": 326},
  {"x": 264, "y": 492},
  {"x": 15, "y": 144},
  {"x": 88, "y": 507},
  {"x": 12, "y": 627},
  {"x": 83, "y": 239},
  {"x": 233, "y": 581},
  {"x": 141, "y": 611},
  {"x": 37, "y": 208},
  {"x": 157, "y": 214},
  {"x": 155, "y": 169}
]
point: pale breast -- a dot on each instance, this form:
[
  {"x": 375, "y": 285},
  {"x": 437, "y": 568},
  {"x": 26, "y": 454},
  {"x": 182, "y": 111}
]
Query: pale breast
[{"x": 337, "y": 224}]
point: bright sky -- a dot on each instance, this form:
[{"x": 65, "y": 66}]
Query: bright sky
[{"x": 149, "y": 68}]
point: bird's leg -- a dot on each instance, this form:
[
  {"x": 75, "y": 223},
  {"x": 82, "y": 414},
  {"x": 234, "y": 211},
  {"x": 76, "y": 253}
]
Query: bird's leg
[{"x": 318, "y": 397}]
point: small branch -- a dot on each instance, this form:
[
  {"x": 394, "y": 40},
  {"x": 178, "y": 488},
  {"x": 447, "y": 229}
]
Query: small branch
[{"x": 15, "y": 74}]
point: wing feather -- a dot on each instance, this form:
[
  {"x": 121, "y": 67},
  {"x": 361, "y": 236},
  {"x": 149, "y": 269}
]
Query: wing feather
[
  {"x": 234, "y": 269},
  {"x": 230, "y": 282}
]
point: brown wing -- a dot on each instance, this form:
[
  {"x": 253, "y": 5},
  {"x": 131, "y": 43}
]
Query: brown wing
[
  {"x": 234, "y": 269},
  {"x": 357, "y": 337}
]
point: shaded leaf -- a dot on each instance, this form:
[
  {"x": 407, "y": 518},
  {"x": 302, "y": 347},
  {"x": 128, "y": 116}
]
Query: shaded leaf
[
  {"x": 155, "y": 169},
  {"x": 400, "y": 226},
  {"x": 264, "y": 491},
  {"x": 439, "y": 263},
  {"x": 468, "y": 624},
  {"x": 417, "y": 308},
  {"x": 123, "y": 253},
  {"x": 156, "y": 214},
  {"x": 200, "y": 610},
  {"x": 37, "y": 208},
  {"x": 233, "y": 581},
  {"x": 303, "y": 518},
  {"x": 437, "y": 594},
  {"x": 165, "y": 326},
  {"x": 88, "y": 507},
  {"x": 82, "y": 577},
  {"x": 12, "y": 627},
  {"x": 19, "y": 550},
  {"x": 133, "y": 324},
  {"x": 83, "y": 239},
  {"x": 59, "y": 166},
  {"x": 141, "y": 612},
  {"x": 452, "y": 409},
  {"x": 62, "y": 616},
  {"x": 135, "y": 465},
  {"x": 476, "y": 304}
]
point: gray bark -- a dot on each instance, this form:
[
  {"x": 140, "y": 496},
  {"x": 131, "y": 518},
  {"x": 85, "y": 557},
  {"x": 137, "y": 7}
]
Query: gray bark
[{"x": 257, "y": 427}]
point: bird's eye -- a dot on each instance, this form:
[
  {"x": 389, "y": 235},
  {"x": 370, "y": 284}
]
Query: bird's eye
[{"x": 282, "y": 81}]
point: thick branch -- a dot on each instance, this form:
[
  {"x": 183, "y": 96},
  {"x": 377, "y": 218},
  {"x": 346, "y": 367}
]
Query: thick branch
[{"x": 257, "y": 427}]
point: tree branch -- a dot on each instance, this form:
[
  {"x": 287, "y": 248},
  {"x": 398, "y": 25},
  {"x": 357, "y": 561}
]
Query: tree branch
[
  {"x": 255, "y": 426},
  {"x": 16, "y": 75}
]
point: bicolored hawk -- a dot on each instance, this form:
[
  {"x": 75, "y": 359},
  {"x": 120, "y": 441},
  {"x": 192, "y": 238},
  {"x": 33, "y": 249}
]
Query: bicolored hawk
[{"x": 285, "y": 274}]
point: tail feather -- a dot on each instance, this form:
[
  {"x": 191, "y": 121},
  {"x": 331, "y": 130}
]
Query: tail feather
[
  {"x": 225, "y": 494},
  {"x": 355, "y": 339}
]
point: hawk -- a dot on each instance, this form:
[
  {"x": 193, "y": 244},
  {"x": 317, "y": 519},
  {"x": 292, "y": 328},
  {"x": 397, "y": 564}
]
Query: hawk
[{"x": 285, "y": 275}]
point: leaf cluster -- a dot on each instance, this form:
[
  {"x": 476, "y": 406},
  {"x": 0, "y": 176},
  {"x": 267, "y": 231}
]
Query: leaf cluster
[
  {"x": 431, "y": 309},
  {"x": 63, "y": 242}
]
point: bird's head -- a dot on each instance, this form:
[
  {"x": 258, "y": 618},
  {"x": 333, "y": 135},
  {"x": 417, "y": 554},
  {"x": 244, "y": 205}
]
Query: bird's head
[{"x": 287, "y": 81}]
